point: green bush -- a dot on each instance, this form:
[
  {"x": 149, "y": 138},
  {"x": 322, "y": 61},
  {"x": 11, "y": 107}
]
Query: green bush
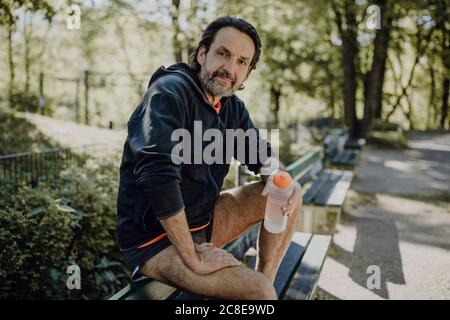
[{"x": 63, "y": 221}]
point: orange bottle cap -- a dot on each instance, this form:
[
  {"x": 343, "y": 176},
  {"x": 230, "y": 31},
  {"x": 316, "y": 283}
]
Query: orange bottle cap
[{"x": 282, "y": 180}]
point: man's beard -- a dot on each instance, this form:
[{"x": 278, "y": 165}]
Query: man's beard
[{"x": 215, "y": 88}]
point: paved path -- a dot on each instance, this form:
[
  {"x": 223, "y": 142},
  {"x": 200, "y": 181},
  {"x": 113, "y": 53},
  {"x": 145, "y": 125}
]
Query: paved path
[{"x": 397, "y": 217}]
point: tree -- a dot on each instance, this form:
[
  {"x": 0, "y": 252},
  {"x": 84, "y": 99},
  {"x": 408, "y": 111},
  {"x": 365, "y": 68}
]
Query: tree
[
  {"x": 349, "y": 27},
  {"x": 295, "y": 54},
  {"x": 440, "y": 10},
  {"x": 9, "y": 17}
]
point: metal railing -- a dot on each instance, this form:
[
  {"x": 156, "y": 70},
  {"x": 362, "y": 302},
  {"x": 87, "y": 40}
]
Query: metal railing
[{"x": 32, "y": 167}]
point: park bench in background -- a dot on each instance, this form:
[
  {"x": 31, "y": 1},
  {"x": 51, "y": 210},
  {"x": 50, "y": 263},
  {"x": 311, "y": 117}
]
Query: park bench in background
[
  {"x": 296, "y": 278},
  {"x": 340, "y": 151}
]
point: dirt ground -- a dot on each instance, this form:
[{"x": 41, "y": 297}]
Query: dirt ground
[{"x": 396, "y": 217}]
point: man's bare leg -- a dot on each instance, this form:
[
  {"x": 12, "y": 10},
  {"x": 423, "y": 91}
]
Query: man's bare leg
[
  {"x": 229, "y": 283},
  {"x": 238, "y": 209}
]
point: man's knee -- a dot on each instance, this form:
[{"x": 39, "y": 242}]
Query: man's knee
[{"x": 260, "y": 288}]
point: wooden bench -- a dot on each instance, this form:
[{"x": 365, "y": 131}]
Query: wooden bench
[
  {"x": 296, "y": 278},
  {"x": 342, "y": 152}
]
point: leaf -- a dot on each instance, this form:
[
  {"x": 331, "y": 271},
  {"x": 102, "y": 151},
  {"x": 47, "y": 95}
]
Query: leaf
[{"x": 35, "y": 211}]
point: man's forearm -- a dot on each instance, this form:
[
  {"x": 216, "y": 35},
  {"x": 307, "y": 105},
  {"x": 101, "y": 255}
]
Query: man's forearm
[{"x": 177, "y": 230}]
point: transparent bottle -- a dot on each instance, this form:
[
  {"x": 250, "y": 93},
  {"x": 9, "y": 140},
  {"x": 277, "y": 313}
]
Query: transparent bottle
[{"x": 279, "y": 188}]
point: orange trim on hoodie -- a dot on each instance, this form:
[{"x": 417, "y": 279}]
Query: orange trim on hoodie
[
  {"x": 165, "y": 235},
  {"x": 217, "y": 106}
]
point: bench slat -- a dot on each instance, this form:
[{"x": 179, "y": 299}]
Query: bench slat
[
  {"x": 146, "y": 289},
  {"x": 309, "y": 195},
  {"x": 339, "y": 193},
  {"x": 303, "y": 164},
  {"x": 304, "y": 281},
  {"x": 327, "y": 189}
]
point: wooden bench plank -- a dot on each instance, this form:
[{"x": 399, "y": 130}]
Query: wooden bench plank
[
  {"x": 302, "y": 165},
  {"x": 146, "y": 289},
  {"x": 325, "y": 192},
  {"x": 339, "y": 193},
  {"x": 304, "y": 281},
  {"x": 309, "y": 195},
  {"x": 346, "y": 157}
]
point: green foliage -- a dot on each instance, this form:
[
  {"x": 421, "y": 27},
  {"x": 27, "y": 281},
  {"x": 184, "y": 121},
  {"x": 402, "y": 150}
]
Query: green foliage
[
  {"x": 18, "y": 135},
  {"x": 67, "y": 220},
  {"x": 29, "y": 102}
]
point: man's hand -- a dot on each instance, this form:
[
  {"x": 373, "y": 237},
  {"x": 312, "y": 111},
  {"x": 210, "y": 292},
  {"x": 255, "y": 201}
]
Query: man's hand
[
  {"x": 212, "y": 259},
  {"x": 294, "y": 201}
]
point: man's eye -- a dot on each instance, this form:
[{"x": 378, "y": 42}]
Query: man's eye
[
  {"x": 220, "y": 53},
  {"x": 244, "y": 63}
]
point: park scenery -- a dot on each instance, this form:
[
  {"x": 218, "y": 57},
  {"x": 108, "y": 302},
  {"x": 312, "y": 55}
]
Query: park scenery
[{"x": 355, "y": 94}]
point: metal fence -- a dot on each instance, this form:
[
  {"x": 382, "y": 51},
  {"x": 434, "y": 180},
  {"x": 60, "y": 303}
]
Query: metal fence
[{"x": 32, "y": 167}]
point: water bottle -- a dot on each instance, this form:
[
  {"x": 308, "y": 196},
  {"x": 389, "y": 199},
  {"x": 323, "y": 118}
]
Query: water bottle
[{"x": 279, "y": 188}]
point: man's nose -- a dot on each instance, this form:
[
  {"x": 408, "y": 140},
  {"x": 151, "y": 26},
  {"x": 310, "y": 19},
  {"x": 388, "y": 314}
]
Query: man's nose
[{"x": 230, "y": 68}]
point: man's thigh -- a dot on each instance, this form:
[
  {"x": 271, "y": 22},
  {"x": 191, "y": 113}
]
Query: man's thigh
[
  {"x": 236, "y": 210},
  {"x": 228, "y": 283}
]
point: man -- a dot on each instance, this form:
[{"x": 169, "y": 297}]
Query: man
[{"x": 172, "y": 218}]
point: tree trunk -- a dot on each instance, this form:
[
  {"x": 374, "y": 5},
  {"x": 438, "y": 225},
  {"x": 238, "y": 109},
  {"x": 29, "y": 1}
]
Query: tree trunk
[
  {"x": 27, "y": 37},
  {"x": 177, "y": 46},
  {"x": 86, "y": 97},
  {"x": 431, "y": 104},
  {"x": 275, "y": 97},
  {"x": 11, "y": 65},
  {"x": 348, "y": 57},
  {"x": 373, "y": 102},
  {"x": 444, "y": 105},
  {"x": 332, "y": 103},
  {"x": 349, "y": 86}
]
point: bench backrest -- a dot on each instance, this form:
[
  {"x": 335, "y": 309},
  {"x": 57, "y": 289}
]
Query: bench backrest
[
  {"x": 307, "y": 167},
  {"x": 333, "y": 144}
]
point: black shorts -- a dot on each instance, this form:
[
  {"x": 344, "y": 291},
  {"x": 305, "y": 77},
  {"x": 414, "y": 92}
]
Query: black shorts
[{"x": 135, "y": 257}]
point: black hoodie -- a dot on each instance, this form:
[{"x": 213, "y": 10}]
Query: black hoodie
[{"x": 151, "y": 185}]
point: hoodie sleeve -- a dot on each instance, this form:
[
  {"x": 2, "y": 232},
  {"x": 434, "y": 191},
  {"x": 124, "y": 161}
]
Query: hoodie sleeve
[
  {"x": 150, "y": 142},
  {"x": 263, "y": 148}
]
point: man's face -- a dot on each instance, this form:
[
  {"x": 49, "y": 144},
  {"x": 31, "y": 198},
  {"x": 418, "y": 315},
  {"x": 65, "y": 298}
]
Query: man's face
[{"x": 225, "y": 67}]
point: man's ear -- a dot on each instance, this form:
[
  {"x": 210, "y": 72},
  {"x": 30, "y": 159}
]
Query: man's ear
[{"x": 201, "y": 55}]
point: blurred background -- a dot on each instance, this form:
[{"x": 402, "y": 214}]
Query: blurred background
[{"x": 71, "y": 73}]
